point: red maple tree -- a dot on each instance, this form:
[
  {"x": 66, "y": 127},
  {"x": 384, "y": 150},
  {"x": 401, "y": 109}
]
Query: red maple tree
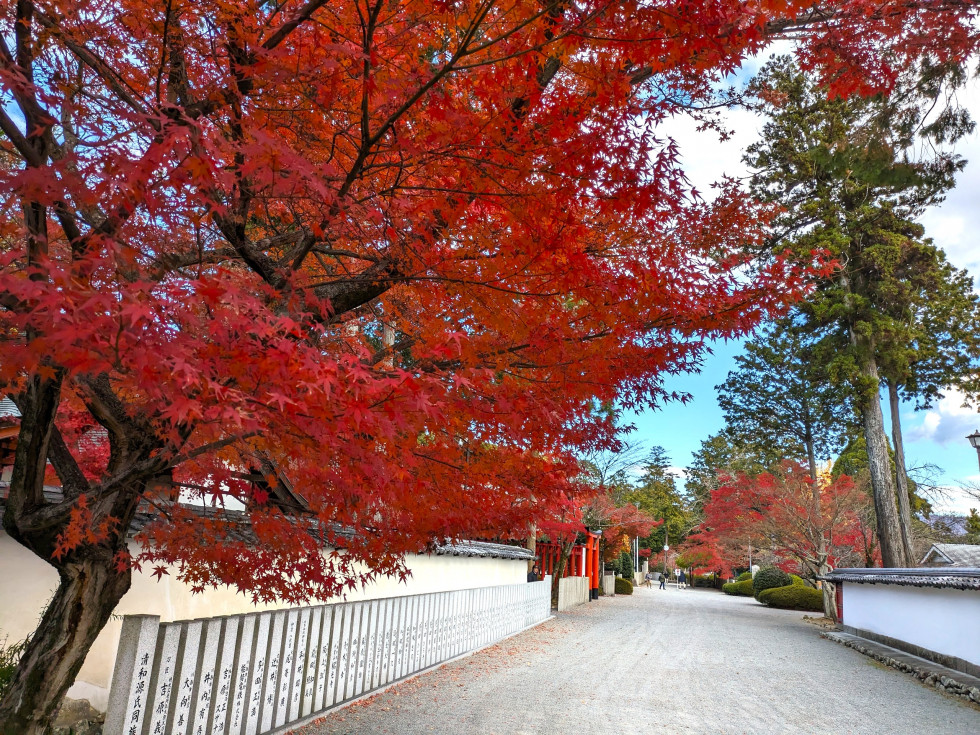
[
  {"x": 381, "y": 253},
  {"x": 809, "y": 524},
  {"x": 703, "y": 551},
  {"x": 619, "y": 524}
]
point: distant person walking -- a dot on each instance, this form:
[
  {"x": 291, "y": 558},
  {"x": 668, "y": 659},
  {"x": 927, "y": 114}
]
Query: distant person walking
[
  {"x": 534, "y": 575},
  {"x": 648, "y": 580},
  {"x": 681, "y": 580},
  {"x": 663, "y": 581}
]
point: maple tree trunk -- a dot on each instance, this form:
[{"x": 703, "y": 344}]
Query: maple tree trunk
[
  {"x": 901, "y": 476},
  {"x": 531, "y": 545},
  {"x": 829, "y": 601},
  {"x": 88, "y": 592},
  {"x": 90, "y": 581},
  {"x": 566, "y": 550},
  {"x": 883, "y": 489},
  {"x": 829, "y": 604}
]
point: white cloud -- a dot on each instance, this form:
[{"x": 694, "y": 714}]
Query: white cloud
[
  {"x": 948, "y": 421},
  {"x": 953, "y": 224},
  {"x": 704, "y": 157},
  {"x": 956, "y": 500}
]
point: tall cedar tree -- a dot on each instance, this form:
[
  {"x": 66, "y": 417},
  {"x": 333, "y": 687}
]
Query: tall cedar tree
[
  {"x": 779, "y": 394},
  {"x": 840, "y": 170},
  {"x": 387, "y": 251},
  {"x": 935, "y": 345},
  {"x": 657, "y": 494}
]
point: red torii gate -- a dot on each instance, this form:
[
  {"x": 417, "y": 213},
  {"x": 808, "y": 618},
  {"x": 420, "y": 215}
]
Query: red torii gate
[{"x": 582, "y": 562}]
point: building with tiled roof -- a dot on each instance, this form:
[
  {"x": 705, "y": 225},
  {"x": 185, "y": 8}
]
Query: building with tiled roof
[
  {"x": 8, "y": 410},
  {"x": 952, "y": 555}
]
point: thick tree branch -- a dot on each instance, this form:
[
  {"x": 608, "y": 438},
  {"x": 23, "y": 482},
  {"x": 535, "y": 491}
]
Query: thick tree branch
[{"x": 73, "y": 481}]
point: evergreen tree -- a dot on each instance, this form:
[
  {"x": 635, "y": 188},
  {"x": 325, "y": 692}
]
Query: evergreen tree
[
  {"x": 935, "y": 346},
  {"x": 841, "y": 171},
  {"x": 779, "y": 396},
  {"x": 723, "y": 453},
  {"x": 657, "y": 495},
  {"x": 973, "y": 527}
]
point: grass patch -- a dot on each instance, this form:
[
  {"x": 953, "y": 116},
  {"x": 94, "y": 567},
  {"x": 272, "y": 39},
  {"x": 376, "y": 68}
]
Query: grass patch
[{"x": 9, "y": 658}]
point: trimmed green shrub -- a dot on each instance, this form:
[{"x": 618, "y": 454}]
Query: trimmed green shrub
[
  {"x": 743, "y": 576},
  {"x": 798, "y": 581},
  {"x": 770, "y": 577},
  {"x": 623, "y": 586},
  {"x": 793, "y": 597},
  {"x": 743, "y": 588}
]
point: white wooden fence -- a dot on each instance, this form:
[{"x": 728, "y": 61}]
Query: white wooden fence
[{"x": 256, "y": 673}]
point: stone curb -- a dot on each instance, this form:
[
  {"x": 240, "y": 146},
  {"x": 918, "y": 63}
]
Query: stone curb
[{"x": 940, "y": 677}]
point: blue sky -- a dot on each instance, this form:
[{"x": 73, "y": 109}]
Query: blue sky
[{"x": 936, "y": 436}]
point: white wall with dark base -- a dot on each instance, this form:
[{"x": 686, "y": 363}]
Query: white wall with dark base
[{"x": 946, "y": 621}]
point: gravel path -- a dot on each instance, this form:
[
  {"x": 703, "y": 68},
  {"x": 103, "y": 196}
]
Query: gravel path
[{"x": 674, "y": 661}]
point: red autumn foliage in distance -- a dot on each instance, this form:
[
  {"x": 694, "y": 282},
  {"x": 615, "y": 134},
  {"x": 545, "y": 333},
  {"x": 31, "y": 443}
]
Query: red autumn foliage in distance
[{"x": 809, "y": 526}]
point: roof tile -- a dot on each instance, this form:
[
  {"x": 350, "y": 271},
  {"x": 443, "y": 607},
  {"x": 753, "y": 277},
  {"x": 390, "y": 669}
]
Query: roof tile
[{"x": 959, "y": 578}]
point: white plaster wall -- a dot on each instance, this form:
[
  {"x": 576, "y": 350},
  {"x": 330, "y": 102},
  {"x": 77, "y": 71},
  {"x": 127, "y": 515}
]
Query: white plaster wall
[
  {"x": 609, "y": 584},
  {"x": 27, "y": 583},
  {"x": 941, "y": 620},
  {"x": 434, "y": 573},
  {"x": 572, "y": 591}
]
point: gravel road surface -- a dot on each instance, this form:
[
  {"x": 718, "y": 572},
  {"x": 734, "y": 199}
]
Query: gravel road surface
[{"x": 673, "y": 661}]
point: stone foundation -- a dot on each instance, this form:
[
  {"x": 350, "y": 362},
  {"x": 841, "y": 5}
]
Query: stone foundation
[{"x": 950, "y": 681}]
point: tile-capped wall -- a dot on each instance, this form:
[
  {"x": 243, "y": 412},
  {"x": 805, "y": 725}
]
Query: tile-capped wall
[{"x": 256, "y": 673}]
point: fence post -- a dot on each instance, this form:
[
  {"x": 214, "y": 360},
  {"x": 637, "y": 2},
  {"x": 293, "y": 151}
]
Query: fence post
[{"x": 130, "y": 689}]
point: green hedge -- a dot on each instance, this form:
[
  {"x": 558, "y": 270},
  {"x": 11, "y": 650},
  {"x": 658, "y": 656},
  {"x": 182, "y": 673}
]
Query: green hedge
[
  {"x": 743, "y": 576},
  {"x": 623, "y": 586},
  {"x": 743, "y": 588},
  {"x": 770, "y": 577},
  {"x": 793, "y": 596}
]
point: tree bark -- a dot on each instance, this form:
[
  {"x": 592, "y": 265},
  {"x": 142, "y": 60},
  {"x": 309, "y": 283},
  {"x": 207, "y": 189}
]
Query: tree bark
[
  {"x": 566, "y": 550},
  {"x": 531, "y": 545},
  {"x": 883, "y": 489},
  {"x": 811, "y": 454},
  {"x": 829, "y": 604},
  {"x": 38, "y": 407},
  {"x": 829, "y": 601},
  {"x": 90, "y": 582},
  {"x": 88, "y": 592},
  {"x": 901, "y": 475}
]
